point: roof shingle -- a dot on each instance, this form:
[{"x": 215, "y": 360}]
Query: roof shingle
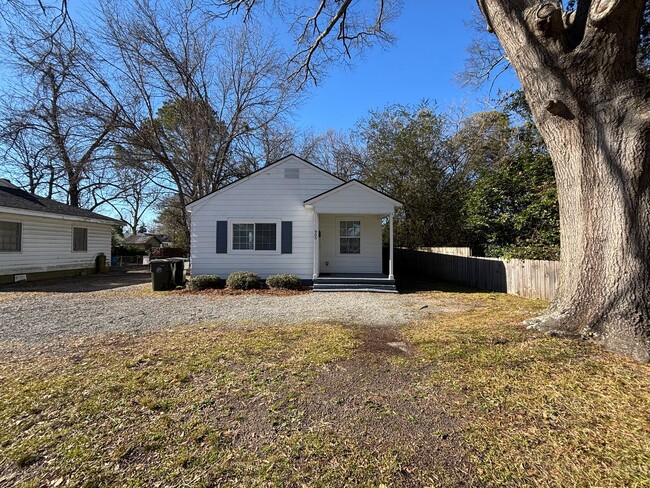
[{"x": 13, "y": 197}]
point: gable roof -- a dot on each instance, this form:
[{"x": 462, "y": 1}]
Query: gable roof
[
  {"x": 265, "y": 168},
  {"x": 353, "y": 182},
  {"x": 140, "y": 239},
  {"x": 15, "y": 198}
]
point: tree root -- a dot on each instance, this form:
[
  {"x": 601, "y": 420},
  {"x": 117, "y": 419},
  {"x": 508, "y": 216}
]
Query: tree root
[
  {"x": 565, "y": 325},
  {"x": 557, "y": 324}
]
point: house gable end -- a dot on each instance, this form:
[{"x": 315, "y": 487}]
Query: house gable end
[
  {"x": 290, "y": 161},
  {"x": 355, "y": 196}
]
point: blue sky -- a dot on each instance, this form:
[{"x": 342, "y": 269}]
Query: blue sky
[
  {"x": 430, "y": 48},
  {"x": 431, "y": 44}
]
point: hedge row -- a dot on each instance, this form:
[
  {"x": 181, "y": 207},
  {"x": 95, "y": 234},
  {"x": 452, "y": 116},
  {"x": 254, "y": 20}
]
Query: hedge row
[{"x": 244, "y": 280}]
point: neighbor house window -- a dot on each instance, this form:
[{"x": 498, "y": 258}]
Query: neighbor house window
[
  {"x": 79, "y": 239},
  {"x": 254, "y": 237},
  {"x": 10, "y": 236},
  {"x": 350, "y": 236}
]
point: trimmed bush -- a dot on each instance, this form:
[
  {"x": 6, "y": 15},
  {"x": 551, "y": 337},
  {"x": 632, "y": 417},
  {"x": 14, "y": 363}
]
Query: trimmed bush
[
  {"x": 243, "y": 280},
  {"x": 205, "y": 282},
  {"x": 284, "y": 282}
]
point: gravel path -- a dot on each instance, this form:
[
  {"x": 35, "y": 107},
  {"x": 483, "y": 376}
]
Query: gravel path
[{"x": 46, "y": 316}]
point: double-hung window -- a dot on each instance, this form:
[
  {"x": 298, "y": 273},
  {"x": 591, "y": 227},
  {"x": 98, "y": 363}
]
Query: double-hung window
[
  {"x": 349, "y": 237},
  {"x": 79, "y": 239},
  {"x": 254, "y": 237},
  {"x": 11, "y": 236}
]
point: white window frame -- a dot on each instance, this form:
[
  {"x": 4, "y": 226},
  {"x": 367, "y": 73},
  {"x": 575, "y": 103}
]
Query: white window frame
[
  {"x": 349, "y": 218},
  {"x": 22, "y": 234},
  {"x": 231, "y": 236},
  {"x": 87, "y": 238}
]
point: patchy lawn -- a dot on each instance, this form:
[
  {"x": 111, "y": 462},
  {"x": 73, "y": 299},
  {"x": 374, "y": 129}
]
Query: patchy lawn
[
  {"x": 545, "y": 411},
  {"x": 464, "y": 398}
]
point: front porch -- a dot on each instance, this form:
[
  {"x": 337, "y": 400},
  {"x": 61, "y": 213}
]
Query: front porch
[
  {"x": 349, "y": 225},
  {"x": 374, "y": 282}
]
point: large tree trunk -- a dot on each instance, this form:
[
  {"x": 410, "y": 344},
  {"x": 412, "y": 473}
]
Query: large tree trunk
[{"x": 580, "y": 79}]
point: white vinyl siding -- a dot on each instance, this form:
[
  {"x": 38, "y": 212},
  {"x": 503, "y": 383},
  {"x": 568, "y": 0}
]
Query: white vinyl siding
[
  {"x": 268, "y": 196},
  {"x": 47, "y": 243},
  {"x": 354, "y": 198},
  {"x": 10, "y": 236}
]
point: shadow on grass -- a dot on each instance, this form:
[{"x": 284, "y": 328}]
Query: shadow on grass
[{"x": 407, "y": 286}]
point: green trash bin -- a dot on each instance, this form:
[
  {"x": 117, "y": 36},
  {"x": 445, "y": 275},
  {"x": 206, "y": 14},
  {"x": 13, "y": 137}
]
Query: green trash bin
[
  {"x": 161, "y": 275},
  {"x": 178, "y": 270}
]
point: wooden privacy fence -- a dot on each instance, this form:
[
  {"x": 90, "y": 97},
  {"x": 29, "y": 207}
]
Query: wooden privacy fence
[
  {"x": 524, "y": 277},
  {"x": 456, "y": 251}
]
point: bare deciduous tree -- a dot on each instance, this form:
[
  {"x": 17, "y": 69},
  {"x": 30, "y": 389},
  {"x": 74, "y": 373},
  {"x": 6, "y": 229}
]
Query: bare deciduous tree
[
  {"x": 325, "y": 32},
  {"x": 55, "y": 106},
  {"x": 339, "y": 153},
  {"x": 139, "y": 193},
  {"x": 29, "y": 160},
  {"x": 195, "y": 96}
]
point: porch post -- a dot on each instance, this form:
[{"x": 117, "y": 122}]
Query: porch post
[
  {"x": 316, "y": 245},
  {"x": 391, "y": 276}
]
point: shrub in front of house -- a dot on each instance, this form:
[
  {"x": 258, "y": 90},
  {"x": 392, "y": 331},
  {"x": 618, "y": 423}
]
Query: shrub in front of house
[
  {"x": 205, "y": 282},
  {"x": 284, "y": 282},
  {"x": 243, "y": 280}
]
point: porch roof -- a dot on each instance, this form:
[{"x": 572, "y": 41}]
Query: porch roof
[{"x": 353, "y": 197}]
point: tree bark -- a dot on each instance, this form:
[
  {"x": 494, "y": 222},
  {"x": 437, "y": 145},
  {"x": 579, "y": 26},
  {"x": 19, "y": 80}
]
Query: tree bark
[{"x": 590, "y": 104}]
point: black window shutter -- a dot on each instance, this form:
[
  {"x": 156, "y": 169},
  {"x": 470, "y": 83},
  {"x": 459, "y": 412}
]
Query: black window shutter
[
  {"x": 287, "y": 237},
  {"x": 222, "y": 236}
]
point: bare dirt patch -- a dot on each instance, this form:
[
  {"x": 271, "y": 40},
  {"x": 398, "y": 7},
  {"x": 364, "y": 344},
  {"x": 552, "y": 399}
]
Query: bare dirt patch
[{"x": 380, "y": 394}]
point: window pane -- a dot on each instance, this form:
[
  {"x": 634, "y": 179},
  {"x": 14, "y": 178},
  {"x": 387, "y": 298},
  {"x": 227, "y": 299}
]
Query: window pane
[
  {"x": 265, "y": 237},
  {"x": 350, "y": 237},
  {"x": 350, "y": 228},
  {"x": 350, "y": 245},
  {"x": 10, "y": 233},
  {"x": 79, "y": 239},
  {"x": 242, "y": 236}
]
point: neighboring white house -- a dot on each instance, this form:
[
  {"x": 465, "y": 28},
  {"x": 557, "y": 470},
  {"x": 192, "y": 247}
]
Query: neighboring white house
[
  {"x": 42, "y": 238},
  {"x": 293, "y": 217}
]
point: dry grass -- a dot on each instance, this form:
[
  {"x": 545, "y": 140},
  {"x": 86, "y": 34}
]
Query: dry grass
[
  {"x": 543, "y": 411},
  {"x": 287, "y": 406},
  {"x": 167, "y": 406}
]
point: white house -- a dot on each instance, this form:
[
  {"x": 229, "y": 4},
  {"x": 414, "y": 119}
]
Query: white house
[
  {"x": 293, "y": 217},
  {"x": 42, "y": 238}
]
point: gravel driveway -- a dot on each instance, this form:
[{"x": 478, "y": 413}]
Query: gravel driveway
[{"x": 45, "y": 314}]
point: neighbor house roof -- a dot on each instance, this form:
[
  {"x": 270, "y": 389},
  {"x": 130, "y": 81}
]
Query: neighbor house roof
[
  {"x": 21, "y": 201},
  {"x": 140, "y": 239}
]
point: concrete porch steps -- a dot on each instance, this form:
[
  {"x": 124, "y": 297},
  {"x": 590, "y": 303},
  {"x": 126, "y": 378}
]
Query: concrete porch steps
[{"x": 367, "y": 283}]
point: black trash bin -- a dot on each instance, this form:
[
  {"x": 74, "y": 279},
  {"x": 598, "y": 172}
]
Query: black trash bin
[
  {"x": 161, "y": 275},
  {"x": 178, "y": 270}
]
